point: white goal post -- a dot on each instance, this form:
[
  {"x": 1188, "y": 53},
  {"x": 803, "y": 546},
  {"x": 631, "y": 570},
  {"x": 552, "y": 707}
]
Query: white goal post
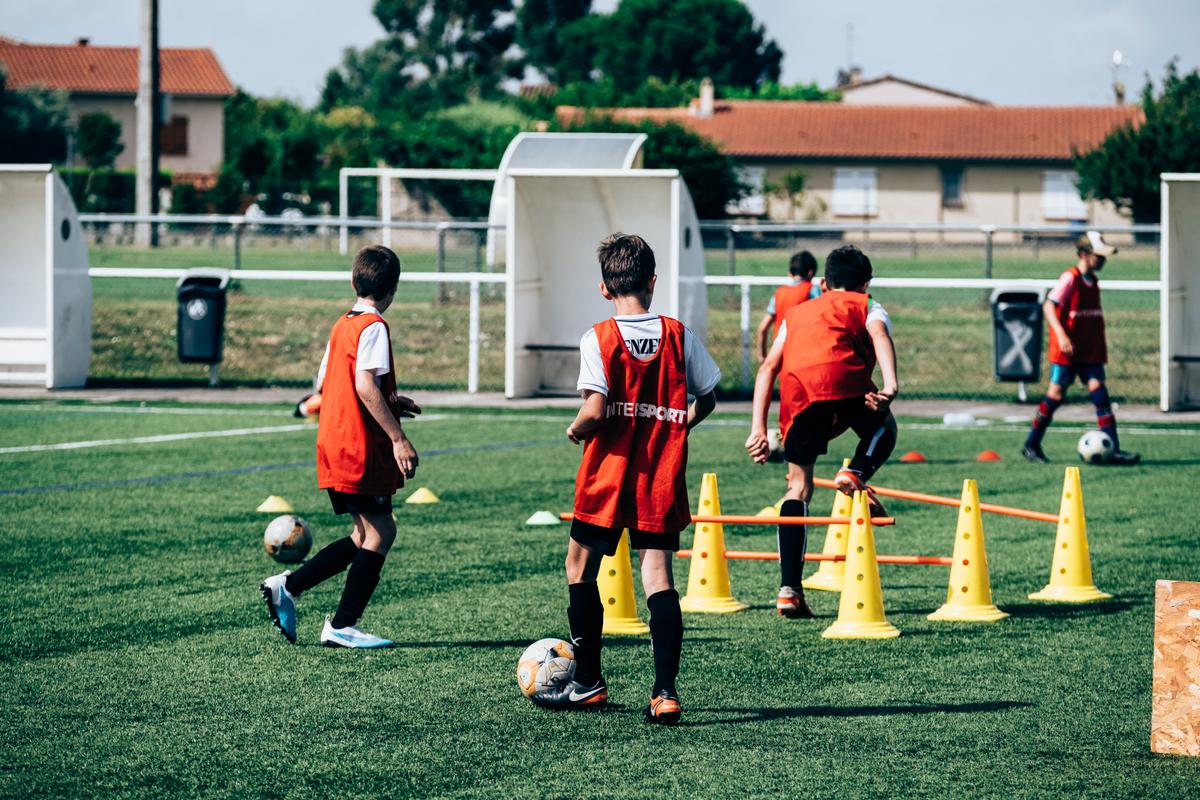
[{"x": 1179, "y": 296}]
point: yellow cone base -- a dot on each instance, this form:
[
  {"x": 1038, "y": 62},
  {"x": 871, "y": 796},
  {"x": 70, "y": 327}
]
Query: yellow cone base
[
  {"x": 860, "y": 630},
  {"x": 275, "y": 505},
  {"x": 625, "y": 626},
  {"x": 1070, "y": 594},
  {"x": 825, "y": 582},
  {"x": 421, "y": 496},
  {"x": 711, "y": 605},
  {"x": 958, "y": 613}
]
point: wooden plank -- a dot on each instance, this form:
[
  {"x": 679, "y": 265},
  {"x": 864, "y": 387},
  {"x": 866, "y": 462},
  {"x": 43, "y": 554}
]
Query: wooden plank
[{"x": 1175, "y": 712}]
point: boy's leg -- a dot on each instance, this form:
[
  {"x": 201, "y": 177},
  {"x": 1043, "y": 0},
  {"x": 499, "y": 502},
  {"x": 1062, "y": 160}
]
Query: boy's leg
[
  {"x": 585, "y": 612},
  {"x": 1060, "y": 378},
  {"x": 876, "y": 433},
  {"x": 378, "y": 533},
  {"x": 793, "y": 539},
  {"x": 666, "y": 631},
  {"x": 330, "y": 560},
  {"x": 1105, "y": 421}
]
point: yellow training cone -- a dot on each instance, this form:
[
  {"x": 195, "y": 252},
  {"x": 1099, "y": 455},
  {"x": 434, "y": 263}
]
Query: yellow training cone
[
  {"x": 615, "y": 583},
  {"x": 969, "y": 598},
  {"x": 829, "y": 575},
  {"x": 860, "y": 613},
  {"x": 708, "y": 579},
  {"x": 1071, "y": 569},
  {"x": 768, "y": 511},
  {"x": 422, "y": 495},
  {"x": 275, "y": 505}
]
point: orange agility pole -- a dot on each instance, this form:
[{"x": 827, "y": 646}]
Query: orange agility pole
[
  {"x": 754, "y": 555},
  {"x": 739, "y": 519},
  {"x": 920, "y": 497}
]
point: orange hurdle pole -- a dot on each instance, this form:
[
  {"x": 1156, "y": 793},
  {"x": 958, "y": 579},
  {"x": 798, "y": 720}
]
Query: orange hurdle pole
[
  {"x": 754, "y": 555},
  {"x": 740, "y": 519},
  {"x": 921, "y": 497}
]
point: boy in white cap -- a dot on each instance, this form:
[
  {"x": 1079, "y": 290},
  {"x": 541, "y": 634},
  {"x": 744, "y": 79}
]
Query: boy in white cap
[{"x": 1078, "y": 348}]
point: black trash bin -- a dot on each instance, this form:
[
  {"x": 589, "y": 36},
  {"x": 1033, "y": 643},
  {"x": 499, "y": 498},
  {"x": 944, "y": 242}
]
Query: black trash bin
[
  {"x": 1017, "y": 335},
  {"x": 200, "y": 327}
]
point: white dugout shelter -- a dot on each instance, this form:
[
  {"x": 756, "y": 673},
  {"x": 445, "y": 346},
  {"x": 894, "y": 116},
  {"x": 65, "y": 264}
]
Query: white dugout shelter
[
  {"x": 46, "y": 302},
  {"x": 1179, "y": 346},
  {"x": 556, "y": 218}
]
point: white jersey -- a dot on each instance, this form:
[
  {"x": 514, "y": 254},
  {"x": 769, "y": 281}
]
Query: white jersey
[{"x": 642, "y": 333}]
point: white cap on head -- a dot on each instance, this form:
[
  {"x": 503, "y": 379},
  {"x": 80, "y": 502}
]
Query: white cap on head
[{"x": 1094, "y": 242}]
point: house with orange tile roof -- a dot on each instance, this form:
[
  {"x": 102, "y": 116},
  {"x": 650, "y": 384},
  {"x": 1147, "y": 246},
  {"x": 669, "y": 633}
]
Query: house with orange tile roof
[
  {"x": 100, "y": 78},
  {"x": 969, "y": 163}
]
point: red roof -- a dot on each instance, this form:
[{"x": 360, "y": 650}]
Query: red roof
[
  {"x": 88, "y": 69},
  {"x": 784, "y": 129}
]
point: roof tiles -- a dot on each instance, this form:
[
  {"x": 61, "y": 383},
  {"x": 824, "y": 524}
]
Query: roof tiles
[{"x": 91, "y": 69}]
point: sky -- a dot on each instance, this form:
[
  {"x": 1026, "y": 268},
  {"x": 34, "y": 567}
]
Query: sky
[{"x": 1021, "y": 52}]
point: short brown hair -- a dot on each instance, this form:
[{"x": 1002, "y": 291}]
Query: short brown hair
[
  {"x": 626, "y": 263},
  {"x": 803, "y": 265},
  {"x": 847, "y": 268},
  {"x": 376, "y": 272}
]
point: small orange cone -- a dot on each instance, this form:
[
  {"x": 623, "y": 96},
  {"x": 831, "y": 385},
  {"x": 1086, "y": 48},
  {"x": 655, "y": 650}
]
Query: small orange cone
[
  {"x": 830, "y": 574},
  {"x": 913, "y": 457},
  {"x": 969, "y": 598},
  {"x": 615, "y": 583},
  {"x": 860, "y": 613},
  {"x": 708, "y": 589},
  {"x": 988, "y": 455},
  {"x": 1071, "y": 569}
]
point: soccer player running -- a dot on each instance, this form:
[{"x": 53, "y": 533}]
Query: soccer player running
[
  {"x": 801, "y": 268},
  {"x": 636, "y": 372},
  {"x": 824, "y": 354},
  {"x": 363, "y": 457},
  {"x": 1078, "y": 348}
]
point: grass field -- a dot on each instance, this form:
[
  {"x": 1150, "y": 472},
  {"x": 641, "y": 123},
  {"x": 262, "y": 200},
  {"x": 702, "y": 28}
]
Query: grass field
[
  {"x": 137, "y": 659},
  {"x": 276, "y": 331}
]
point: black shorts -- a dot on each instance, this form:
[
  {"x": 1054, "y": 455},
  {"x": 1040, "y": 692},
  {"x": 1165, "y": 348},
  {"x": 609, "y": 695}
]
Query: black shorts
[
  {"x": 825, "y": 420},
  {"x": 347, "y": 503},
  {"x": 596, "y": 537}
]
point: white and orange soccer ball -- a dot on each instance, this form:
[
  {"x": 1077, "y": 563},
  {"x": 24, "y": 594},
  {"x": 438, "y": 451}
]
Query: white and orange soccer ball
[
  {"x": 288, "y": 539},
  {"x": 545, "y": 663}
]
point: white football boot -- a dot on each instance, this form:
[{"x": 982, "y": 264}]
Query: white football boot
[
  {"x": 281, "y": 605},
  {"x": 351, "y": 637}
]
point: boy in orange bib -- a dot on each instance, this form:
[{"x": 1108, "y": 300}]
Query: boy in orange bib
[
  {"x": 802, "y": 269},
  {"x": 363, "y": 456},
  {"x": 824, "y": 355},
  {"x": 636, "y": 372}
]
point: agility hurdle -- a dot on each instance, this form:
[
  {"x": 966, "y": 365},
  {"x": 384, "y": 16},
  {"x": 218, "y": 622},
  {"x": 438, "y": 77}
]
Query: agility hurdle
[
  {"x": 936, "y": 499},
  {"x": 743, "y": 519},
  {"x": 766, "y": 555}
]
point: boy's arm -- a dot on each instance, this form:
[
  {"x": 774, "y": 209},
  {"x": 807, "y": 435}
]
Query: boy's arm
[
  {"x": 764, "y": 335},
  {"x": 700, "y": 408},
  {"x": 589, "y": 418},
  {"x": 1050, "y": 312},
  {"x": 885, "y": 355},
  {"x": 372, "y": 397},
  {"x": 757, "y": 445}
]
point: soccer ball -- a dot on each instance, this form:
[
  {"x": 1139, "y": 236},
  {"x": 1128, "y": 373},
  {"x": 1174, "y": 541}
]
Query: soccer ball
[
  {"x": 545, "y": 663},
  {"x": 288, "y": 539},
  {"x": 1095, "y": 447},
  {"x": 775, "y": 442}
]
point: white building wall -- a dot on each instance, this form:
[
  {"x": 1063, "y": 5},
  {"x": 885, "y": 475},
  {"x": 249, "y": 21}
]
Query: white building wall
[
  {"x": 206, "y": 130},
  {"x": 894, "y": 93}
]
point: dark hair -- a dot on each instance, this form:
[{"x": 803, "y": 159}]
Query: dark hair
[
  {"x": 803, "y": 265},
  {"x": 847, "y": 268},
  {"x": 626, "y": 263},
  {"x": 376, "y": 272}
]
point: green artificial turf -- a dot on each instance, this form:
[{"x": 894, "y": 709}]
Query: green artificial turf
[{"x": 137, "y": 659}]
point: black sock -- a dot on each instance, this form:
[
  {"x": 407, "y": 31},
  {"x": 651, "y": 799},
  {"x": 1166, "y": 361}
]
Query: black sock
[
  {"x": 875, "y": 446},
  {"x": 1105, "y": 420},
  {"x": 331, "y": 560},
  {"x": 793, "y": 541},
  {"x": 666, "y": 637},
  {"x": 586, "y": 615},
  {"x": 1041, "y": 421},
  {"x": 361, "y": 581}
]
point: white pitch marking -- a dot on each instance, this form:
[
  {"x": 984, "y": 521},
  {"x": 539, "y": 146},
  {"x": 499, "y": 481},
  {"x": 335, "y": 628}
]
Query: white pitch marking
[{"x": 169, "y": 437}]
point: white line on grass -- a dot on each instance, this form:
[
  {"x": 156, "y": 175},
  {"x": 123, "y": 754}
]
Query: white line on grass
[
  {"x": 168, "y": 437},
  {"x": 195, "y": 412}
]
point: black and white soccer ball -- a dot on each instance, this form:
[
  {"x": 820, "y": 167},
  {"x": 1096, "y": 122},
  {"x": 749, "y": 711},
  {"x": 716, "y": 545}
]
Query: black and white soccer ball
[
  {"x": 288, "y": 539},
  {"x": 1095, "y": 447},
  {"x": 544, "y": 664}
]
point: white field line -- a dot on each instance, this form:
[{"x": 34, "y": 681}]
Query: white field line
[
  {"x": 1064, "y": 427},
  {"x": 190, "y": 412},
  {"x": 168, "y": 437}
]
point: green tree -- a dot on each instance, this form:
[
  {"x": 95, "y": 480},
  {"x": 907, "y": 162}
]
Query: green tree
[
  {"x": 790, "y": 188},
  {"x": 548, "y": 33},
  {"x": 1125, "y": 167},
  {"x": 33, "y": 124},
  {"x": 98, "y": 139}
]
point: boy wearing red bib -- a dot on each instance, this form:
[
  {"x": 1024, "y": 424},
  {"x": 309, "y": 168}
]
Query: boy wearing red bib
[
  {"x": 802, "y": 268},
  {"x": 1078, "y": 348},
  {"x": 363, "y": 457},
  {"x": 824, "y": 355},
  {"x": 636, "y": 372}
]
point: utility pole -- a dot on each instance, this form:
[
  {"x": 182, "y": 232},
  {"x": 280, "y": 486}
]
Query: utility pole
[{"x": 148, "y": 122}]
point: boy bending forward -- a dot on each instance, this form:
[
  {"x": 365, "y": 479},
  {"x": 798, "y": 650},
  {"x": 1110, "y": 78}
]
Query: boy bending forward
[
  {"x": 826, "y": 349},
  {"x": 636, "y": 372}
]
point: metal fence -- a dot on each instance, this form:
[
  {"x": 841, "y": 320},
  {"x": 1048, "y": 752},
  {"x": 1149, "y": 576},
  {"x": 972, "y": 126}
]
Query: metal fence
[{"x": 932, "y": 278}]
